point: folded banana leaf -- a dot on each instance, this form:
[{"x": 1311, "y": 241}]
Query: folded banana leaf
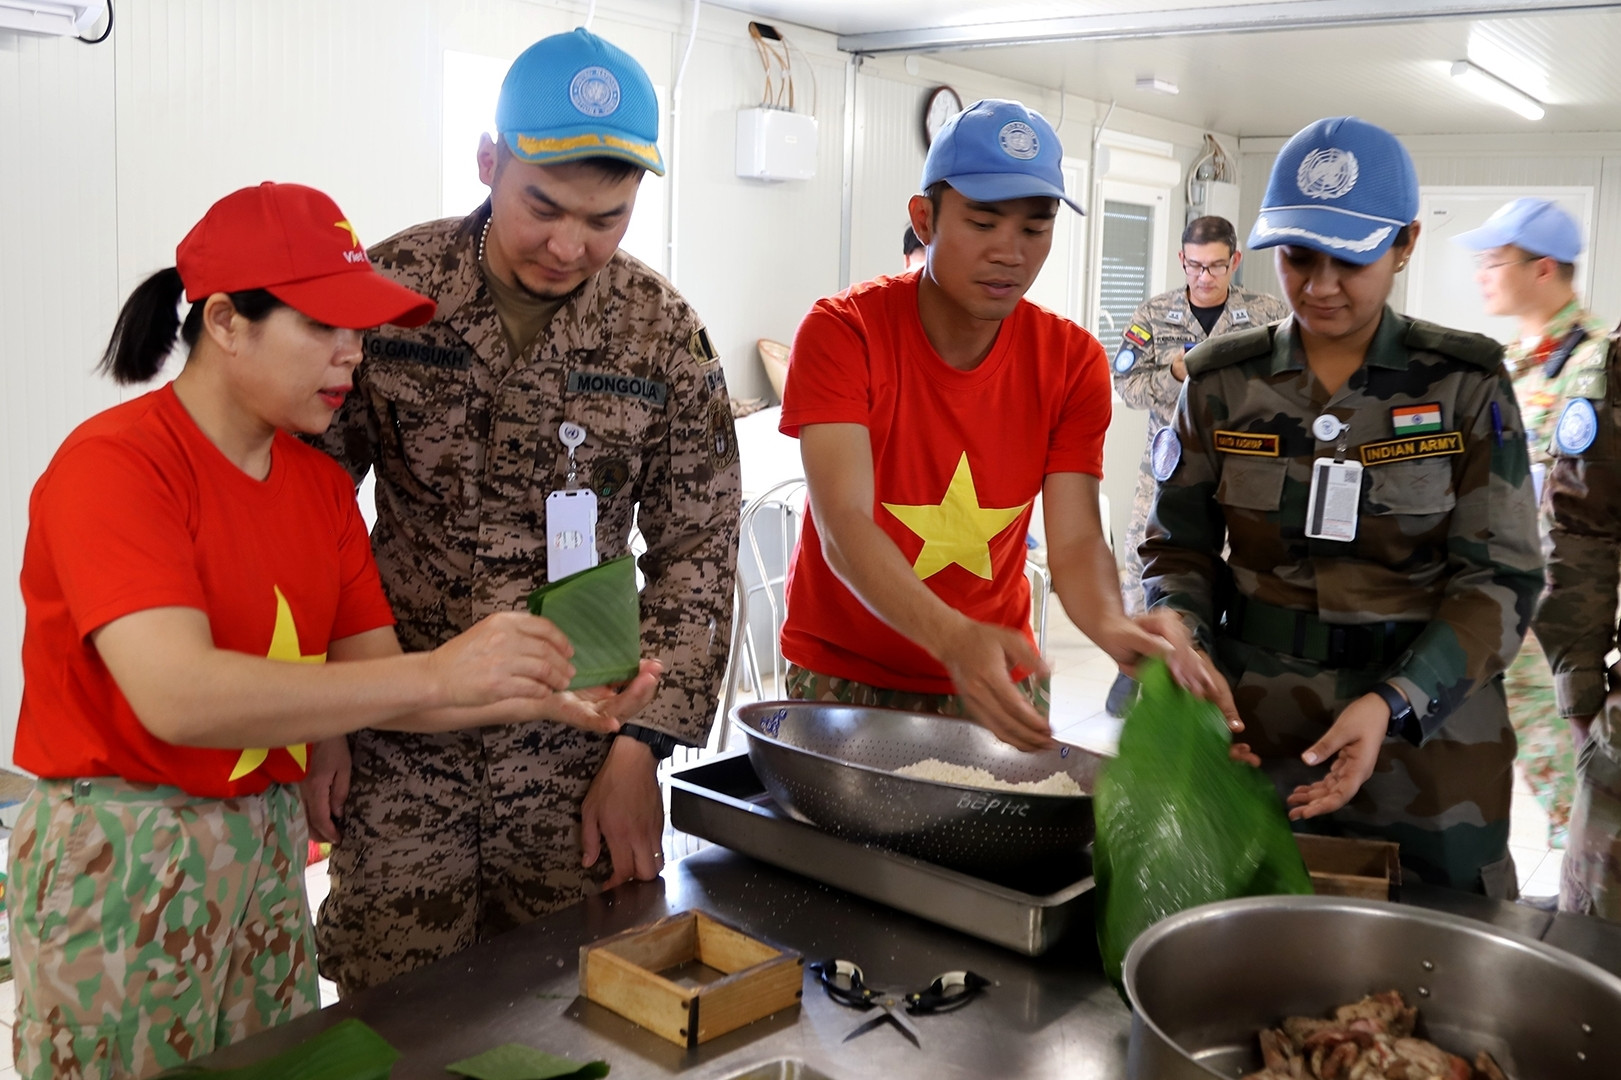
[
  {"x": 515, "y": 1061},
  {"x": 597, "y": 609},
  {"x": 1179, "y": 823},
  {"x": 348, "y": 1050}
]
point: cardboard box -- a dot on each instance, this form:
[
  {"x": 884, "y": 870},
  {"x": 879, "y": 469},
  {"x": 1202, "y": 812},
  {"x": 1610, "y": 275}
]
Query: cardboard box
[{"x": 1340, "y": 866}]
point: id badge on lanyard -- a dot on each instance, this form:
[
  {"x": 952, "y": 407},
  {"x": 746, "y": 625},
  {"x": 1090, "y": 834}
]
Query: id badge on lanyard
[
  {"x": 571, "y": 518},
  {"x": 1336, "y": 487}
]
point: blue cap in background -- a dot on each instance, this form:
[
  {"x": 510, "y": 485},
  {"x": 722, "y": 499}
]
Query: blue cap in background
[
  {"x": 995, "y": 150},
  {"x": 1536, "y": 226},
  {"x": 575, "y": 95},
  {"x": 1341, "y": 186}
]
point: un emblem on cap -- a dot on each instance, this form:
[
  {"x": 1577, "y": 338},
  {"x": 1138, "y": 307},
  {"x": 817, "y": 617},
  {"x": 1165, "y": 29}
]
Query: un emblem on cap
[
  {"x": 1019, "y": 140},
  {"x": 594, "y": 91},
  {"x": 1327, "y": 173}
]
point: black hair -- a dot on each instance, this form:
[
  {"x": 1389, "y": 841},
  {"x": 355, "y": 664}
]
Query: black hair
[
  {"x": 909, "y": 242},
  {"x": 611, "y": 169},
  {"x": 1403, "y": 235},
  {"x": 1211, "y": 229},
  {"x": 144, "y": 335},
  {"x": 935, "y": 192}
]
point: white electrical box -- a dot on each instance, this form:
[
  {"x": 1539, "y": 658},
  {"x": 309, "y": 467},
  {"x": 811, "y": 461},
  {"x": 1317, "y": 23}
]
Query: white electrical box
[
  {"x": 1221, "y": 200},
  {"x": 774, "y": 144}
]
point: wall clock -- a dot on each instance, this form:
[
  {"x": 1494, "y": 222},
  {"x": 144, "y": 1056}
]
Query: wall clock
[{"x": 939, "y": 105}]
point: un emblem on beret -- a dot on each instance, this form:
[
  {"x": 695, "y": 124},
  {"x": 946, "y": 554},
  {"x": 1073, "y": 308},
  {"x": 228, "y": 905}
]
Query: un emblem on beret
[
  {"x": 1019, "y": 140},
  {"x": 594, "y": 91},
  {"x": 1327, "y": 173}
]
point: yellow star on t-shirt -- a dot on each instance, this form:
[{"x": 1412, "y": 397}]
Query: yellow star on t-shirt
[
  {"x": 957, "y": 530},
  {"x": 283, "y": 646}
]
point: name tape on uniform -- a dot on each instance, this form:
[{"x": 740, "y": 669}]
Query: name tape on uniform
[
  {"x": 417, "y": 352},
  {"x": 1255, "y": 444},
  {"x": 625, "y": 386},
  {"x": 1422, "y": 446}
]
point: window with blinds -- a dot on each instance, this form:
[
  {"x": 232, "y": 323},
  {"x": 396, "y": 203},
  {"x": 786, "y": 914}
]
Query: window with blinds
[{"x": 1126, "y": 261}]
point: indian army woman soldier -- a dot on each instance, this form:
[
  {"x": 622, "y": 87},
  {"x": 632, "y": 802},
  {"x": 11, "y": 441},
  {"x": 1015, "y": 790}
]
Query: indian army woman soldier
[{"x": 1369, "y": 472}]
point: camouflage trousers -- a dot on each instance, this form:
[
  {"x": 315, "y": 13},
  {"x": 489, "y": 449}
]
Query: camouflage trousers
[
  {"x": 1591, "y": 879},
  {"x": 149, "y": 927},
  {"x": 1446, "y": 803},
  {"x": 448, "y": 840},
  {"x": 806, "y": 685},
  {"x": 1142, "y": 504},
  {"x": 1547, "y": 749}
]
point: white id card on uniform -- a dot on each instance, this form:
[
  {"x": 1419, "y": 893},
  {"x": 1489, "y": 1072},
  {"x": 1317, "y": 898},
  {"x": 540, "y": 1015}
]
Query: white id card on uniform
[
  {"x": 571, "y": 533},
  {"x": 1336, "y": 496}
]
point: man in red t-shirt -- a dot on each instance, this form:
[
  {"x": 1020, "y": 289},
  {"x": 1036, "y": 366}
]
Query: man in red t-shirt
[{"x": 932, "y": 408}]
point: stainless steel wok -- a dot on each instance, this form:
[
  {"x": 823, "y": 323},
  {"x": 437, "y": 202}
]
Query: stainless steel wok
[
  {"x": 834, "y": 766},
  {"x": 1203, "y": 982}
]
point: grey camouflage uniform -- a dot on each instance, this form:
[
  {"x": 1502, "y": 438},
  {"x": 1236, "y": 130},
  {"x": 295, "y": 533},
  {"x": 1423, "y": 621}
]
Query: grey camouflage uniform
[
  {"x": 454, "y": 838},
  {"x": 1576, "y": 618},
  {"x": 1161, "y": 329},
  {"x": 1433, "y": 594}
]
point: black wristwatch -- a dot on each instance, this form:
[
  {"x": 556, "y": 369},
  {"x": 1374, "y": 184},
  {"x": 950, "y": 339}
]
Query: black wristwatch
[
  {"x": 1401, "y": 710},
  {"x": 661, "y": 744}
]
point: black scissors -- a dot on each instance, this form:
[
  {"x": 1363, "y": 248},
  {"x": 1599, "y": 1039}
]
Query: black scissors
[{"x": 845, "y": 983}]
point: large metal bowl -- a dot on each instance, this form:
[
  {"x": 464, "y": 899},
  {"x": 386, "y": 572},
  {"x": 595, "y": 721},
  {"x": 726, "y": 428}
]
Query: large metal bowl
[
  {"x": 834, "y": 766},
  {"x": 1204, "y": 981}
]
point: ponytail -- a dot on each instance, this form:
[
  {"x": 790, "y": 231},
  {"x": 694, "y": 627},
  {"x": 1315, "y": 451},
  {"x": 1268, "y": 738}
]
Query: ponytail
[{"x": 144, "y": 335}]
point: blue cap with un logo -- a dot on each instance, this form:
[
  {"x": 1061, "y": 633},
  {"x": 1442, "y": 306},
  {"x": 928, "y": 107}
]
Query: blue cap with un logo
[
  {"x": 1536, "y": 226},
  {"x": 575, "y": 95},
  {"x": 995, "y": 150},
  {"x": 1341, "y": 186}
]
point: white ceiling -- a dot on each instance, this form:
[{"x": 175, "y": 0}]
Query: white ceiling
[{"x": 1269, "y": 82}]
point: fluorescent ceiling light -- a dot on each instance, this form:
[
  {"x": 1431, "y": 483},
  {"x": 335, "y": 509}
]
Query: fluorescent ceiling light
[
  {"x": 1157, "y": 84},
  {"x": 1482, "y": 83}
]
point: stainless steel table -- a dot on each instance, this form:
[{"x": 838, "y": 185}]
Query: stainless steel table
[{"x": 1049, "y": 1016}]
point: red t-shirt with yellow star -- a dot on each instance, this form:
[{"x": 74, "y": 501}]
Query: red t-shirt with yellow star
[
  {"x": 958, "y": 459},
  {"x": 139, "y": 510}
]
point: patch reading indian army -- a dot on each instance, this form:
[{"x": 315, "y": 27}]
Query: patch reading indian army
[
  {"x": 1416, "y": 419},
  {"x": 1125, "y": 359},
  {"x": 701, "y": 348},
  {"x": 1173, "y": 316},
  {"x": 722, "y": 443},
  {"x": 625, "y": 386},
  {"x": 1336, "y": 493},
  {"x": 1578, "y": 427},
  {"x": 417, "y": 352},
  {"x": 1165, "y": 454},
  {"x": 610, "y": 476},
  {"x": 1420, "y": 446},
  {"x": 1138, "y": 335},
  {"x": 1255, "y": 444}
]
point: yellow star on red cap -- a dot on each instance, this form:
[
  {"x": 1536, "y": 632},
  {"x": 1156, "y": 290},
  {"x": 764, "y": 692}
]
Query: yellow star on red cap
[
  {"x": 350, "y": 229},
  {"x": 283, "y": 646}
]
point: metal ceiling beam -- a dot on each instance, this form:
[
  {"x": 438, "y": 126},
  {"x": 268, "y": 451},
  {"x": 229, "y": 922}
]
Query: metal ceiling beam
[{"x": 1233, "y": 19}]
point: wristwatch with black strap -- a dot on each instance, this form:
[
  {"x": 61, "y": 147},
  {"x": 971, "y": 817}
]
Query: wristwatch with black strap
[
  {"x": 1402, "y": 717},
  {"x": 661, "y": 744}
]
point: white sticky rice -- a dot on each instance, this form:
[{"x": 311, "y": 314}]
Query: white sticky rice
[{"x": 1059, "y": 783}]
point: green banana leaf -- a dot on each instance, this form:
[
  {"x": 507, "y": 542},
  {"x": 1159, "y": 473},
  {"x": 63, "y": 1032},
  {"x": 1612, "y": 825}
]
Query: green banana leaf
[
  {"x": 597, "y": 609},
  {"x": 515, "y": 1061},
  {"x": 348, "y": 1050},
  {"x": 1179, "y": 823}
]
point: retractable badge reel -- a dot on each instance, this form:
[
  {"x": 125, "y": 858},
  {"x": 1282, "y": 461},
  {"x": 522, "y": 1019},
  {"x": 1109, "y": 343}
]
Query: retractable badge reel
[
  {"x": 571, "y": 516},
  {"x": 1336, "y": 485}
]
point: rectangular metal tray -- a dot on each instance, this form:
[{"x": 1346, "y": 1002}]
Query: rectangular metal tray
[{"x": 723, "y": 801}]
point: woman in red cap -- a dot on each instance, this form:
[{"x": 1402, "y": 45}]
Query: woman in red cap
[{"x": 189, "y": 570}]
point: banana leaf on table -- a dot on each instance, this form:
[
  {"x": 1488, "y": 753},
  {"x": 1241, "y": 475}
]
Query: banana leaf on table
[
  {"x": 598, "y": 611},
  {"x": 348, "y": 1050},
  {"x": 1179, "y": 823}
]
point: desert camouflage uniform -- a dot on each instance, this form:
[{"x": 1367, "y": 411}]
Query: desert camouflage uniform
[
  {"x": 151, "y": 926},
  {"x": 1576, "y": 621},
  {"x": 1433, "y": 594},
  {"x": 449, "y": 839},
  {"x": 804, "y": 684},
  {"x": 1162, "y": 329},
  {"x": 1572, "y": 346}
]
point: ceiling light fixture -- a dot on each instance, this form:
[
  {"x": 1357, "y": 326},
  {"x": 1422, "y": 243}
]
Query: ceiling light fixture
[
  {"x": 1157, "y": 85},
  {"x": 1484, "y": 84}
]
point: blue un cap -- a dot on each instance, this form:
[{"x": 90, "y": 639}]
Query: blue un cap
[
  {"x": 575, "y": 95},
  {"x": 1341, "y": 186},
  {"x": 1536, "y": 226},
  {"x": 995, "y": 150}
]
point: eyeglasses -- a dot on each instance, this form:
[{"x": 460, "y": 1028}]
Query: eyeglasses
[
  {"x": 1482, "y": 264},
  {"x": 1215, "y": 270}
]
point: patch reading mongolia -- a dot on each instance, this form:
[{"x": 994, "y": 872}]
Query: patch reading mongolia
[
  {"x": 1137, "y": 335},
  {"x": 1019, "y": 140},
  {"x": 701, "y": 348},
  {"x": 594, "y": 91},
  {"x": 1165, "y": 454},
  {"x": 1391, "y": 451},
  {"x": 722, "y": 440},
  {"x": 625, "y": 386},
  {"x": 1125, "y": 359},
  {"x": 416, "y": 352},
  {"x": 1578, "y": 427},
  {"x": 1252, "y": 443},
  {"x": 1416, "y": 419},
  {"x": 1328, "y": 173}
]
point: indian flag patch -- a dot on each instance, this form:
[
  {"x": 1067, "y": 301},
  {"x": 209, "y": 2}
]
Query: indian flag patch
[{"x": 1416, "y": 419}]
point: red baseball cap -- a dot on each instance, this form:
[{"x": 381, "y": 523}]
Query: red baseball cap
[{"x": 293, "y": 242}]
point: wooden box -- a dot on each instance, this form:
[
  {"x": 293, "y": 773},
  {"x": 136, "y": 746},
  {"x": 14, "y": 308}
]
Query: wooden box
[
  {"x": 690, "y": 977},
  {"x": 1341, "y": 866}
]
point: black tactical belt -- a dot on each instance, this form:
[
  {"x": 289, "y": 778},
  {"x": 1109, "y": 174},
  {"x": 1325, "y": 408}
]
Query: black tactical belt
[{"x": 1302, "y": 634}]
